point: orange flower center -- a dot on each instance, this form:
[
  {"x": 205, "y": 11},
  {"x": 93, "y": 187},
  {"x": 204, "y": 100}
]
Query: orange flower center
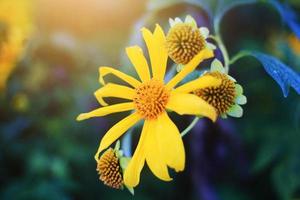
[{"x": 151, "y": 99}]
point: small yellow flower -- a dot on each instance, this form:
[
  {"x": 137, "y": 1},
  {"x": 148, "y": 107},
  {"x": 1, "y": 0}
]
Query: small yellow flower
[
  {"x": 160, "y": 143},
  {"x": 227, "y": 97},
  {"x": 185, "y": 40},
  {"x": 15, "y": 26}
]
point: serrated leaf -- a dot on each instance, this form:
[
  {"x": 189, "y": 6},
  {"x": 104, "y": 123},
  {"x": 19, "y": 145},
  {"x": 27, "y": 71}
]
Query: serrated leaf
[
  {"x": 280, "y": 72},
  {"x": 288, "y": 15}
]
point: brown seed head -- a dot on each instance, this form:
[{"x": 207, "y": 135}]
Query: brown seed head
[
  {"x": 108, "y": 167},
  {"x": 220, "y": 97},
  {"x": 184, "y": 42}
]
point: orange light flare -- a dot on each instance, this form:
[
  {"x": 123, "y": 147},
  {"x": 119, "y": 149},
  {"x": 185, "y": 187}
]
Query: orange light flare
[{"x": 86, "y": 17}]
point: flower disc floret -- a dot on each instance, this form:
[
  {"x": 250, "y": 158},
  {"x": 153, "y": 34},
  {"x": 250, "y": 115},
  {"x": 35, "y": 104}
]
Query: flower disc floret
[
  {"x": 220, "y": 97},
  {"x": 151, "y": 99},
  {"x": 184, "y": 42},
  {"x": 109, "y": 169}
]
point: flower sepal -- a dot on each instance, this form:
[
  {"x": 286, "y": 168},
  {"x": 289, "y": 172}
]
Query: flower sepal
[{"x": 123, "y": 161}]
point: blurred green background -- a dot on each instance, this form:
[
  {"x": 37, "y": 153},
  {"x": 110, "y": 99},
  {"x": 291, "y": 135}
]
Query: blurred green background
[{"x": 46, "y": 154}]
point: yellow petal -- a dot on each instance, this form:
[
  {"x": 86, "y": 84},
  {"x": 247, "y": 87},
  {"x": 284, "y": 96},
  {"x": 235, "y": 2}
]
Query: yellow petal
[
  {"x": 154, "y": 153},
  {"x": 156, "y": 48},
  {"x": 121, "y": 107},
  {"x": 137, "y": 58},
  {"x": 191, "y": 104},
  {"x": 190, "y": 67},
  {"x": 117, "y": 131},
  {"x": 103, "y": 71},
  {"x": 170, "y": 143},
  {"x": 202, "y": 82},
  {"x": 136, "y": 164},
  {"x": 114, "y": 90}
]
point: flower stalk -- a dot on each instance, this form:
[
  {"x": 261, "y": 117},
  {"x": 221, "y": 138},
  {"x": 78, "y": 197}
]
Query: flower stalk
[{"x": 187, "y": 129}]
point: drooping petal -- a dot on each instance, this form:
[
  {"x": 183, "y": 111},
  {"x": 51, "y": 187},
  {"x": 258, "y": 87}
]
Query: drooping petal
[
  {"x": 103, "y": 71},
  {"x": 154, "y": 153},
  {"x": 199, "y": 83},
  {"x": 171, "y": 22},
  {"x": 204, "y": 32},
  {"x": 241, "y": 99},
  {"x": 191, "y": 105},
  {"x": 157, "y": 52},
  {"x": 178, "y": 20},
  {"x": 210, "y": 46},
  {"x": 189, "y": 19},
  {"x": 190, "y": 67},
  {"x": 136, "y": 164},
  {"x": 231, "y": 78},
  {"x": 238, "y": 89},
  {"x": 114, "y": 90},
  {"x": 137, "y": 58},
  {"x": 121, "y": 107},
  {"x": 235, "y": 111},
  {"x": 217, "y": 66},
  {"x": 170, "y": 142},
  {"x": 117, "y": 131}
]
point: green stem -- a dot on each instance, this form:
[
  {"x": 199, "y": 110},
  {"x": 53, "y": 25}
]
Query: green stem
[
  {"x": 238, "y": 56},
  {"x": 192, "y": 124},
  {"x": 223, "y": 50}
]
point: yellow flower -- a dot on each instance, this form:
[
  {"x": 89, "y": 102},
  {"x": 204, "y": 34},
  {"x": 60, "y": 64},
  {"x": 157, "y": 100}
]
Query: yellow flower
[
  {"x": 160, "y": 143},
  {"x": 15, "y": 26}
]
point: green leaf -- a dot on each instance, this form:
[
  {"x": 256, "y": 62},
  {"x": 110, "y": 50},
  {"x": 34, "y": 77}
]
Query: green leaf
[{"x": 280, "y": 72}]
